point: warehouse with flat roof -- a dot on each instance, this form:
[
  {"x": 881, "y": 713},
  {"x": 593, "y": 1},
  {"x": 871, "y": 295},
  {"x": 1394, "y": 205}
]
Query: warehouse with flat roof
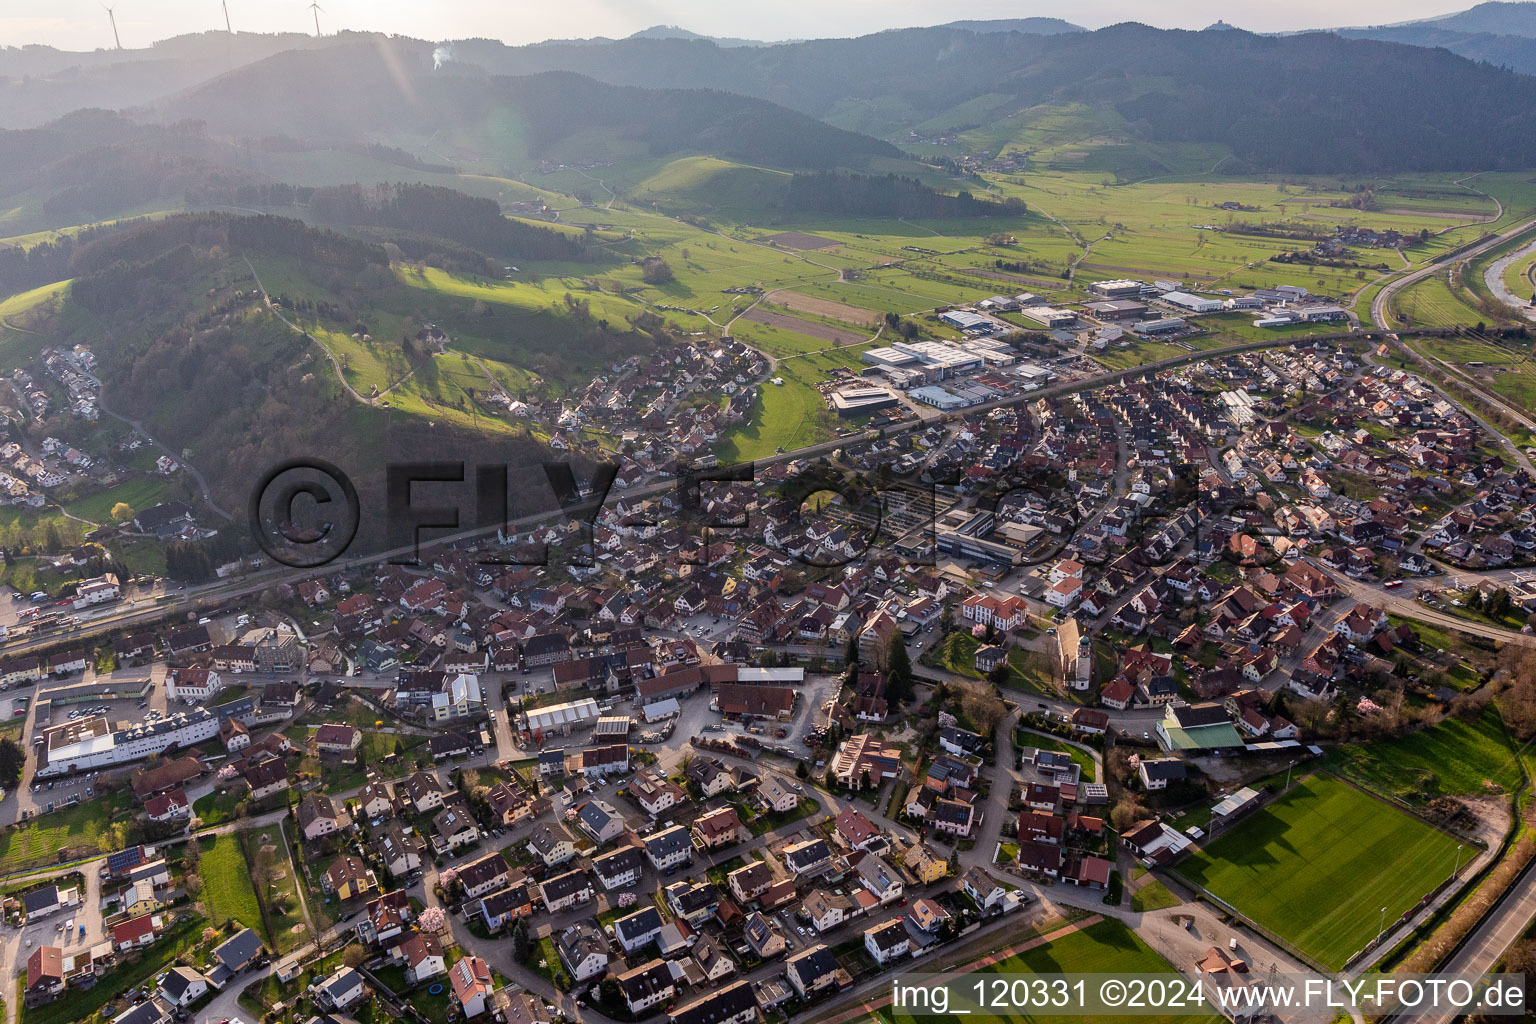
[
  {"x": 862, "y": 401},
  {"x": 1193, "y": 303}
]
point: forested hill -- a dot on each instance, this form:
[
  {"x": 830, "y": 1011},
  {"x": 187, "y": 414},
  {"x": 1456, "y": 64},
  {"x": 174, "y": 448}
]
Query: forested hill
[
  {"x": 864, "y": 195},
  {"x": 370, "y": 92},
  {"x": 1304, "y": 103}
]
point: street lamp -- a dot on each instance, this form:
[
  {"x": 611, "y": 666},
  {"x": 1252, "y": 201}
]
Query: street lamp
[{"x": 1383, "y": 926}]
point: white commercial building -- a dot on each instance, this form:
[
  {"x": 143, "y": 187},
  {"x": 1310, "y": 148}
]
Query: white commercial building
[
  {"x": 1123, "y": 288},
  {"x": 1049, "y": 316},
  {"x": 1193, "y": 303},
  {"x": 90, "y": 743}
]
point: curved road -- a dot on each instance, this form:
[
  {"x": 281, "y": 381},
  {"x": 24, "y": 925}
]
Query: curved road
[{"x": 1380, "y": 306}]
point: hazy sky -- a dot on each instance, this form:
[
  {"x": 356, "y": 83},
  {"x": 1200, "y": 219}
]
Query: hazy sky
[{"x": 82, "y": 24}]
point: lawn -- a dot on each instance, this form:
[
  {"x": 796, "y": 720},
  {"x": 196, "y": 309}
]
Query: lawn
[
  {"x": 1107, "y": 947},
  {"x": 1317, "y": 866},
  {"x": 1451, "y": 758},
  {"x": 71, "y": 832},
  {"x": 137, "y": 494},
  {"x": 285, "y": 917},
  {"x": 1153, "y": 896},
  {"x": 227, "y": 890}
]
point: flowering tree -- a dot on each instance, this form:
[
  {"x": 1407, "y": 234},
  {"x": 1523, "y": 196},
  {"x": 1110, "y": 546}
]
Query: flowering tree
[{"x": 432, "y": 919}]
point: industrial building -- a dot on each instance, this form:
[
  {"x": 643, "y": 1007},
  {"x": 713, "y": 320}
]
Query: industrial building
[
  {"x": 1117, "y": 309},
  {"x": 1123, "y": 288},
  {"x": 862, "y": 401},
  {"x": 938, "y": 398},
  {"x": 966, "y": 320},
  {"x": 1244, "y": 302},
  {"x": 1049, "y": 316},
  {"x": 1193, "y": 303},
  {"x": 562, "y": 718},
  {"x": 1237, "y": 406},
  {"x": 945, "y": 360},
  {"x": 1166, "y": 325},
  {"x": 887, "y": 356}
]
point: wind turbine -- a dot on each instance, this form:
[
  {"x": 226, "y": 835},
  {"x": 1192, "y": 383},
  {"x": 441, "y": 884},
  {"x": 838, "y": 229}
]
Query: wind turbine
[
  {"x": 113, "y": 18},
  {"x": 313, "y": 6},
  {"x": 225, "y": 4}
]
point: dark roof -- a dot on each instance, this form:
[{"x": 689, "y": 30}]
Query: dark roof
[
  {"x": 645, "y": 980},
  {"x": 1193, "y": 716},
  {"x": 647, "y": 919},
  {"x": 813, "y": 963},
  {"x": 239, "y": 949},
  {"x": 40, "y": 899},
  {"x": 1164, "y": 769},
  {"x": 625, "y": 858},
  {"x": 722, "y": 1005},
  {"x": 564, "y": 885},
  {"x": 889, "y": 934}
]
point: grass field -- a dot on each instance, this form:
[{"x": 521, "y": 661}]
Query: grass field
[
  {"x": 227, "y": 890},
  {"x": 1153, "y": 896},
  {"x": 1453, "y": 758},
  {"x": 793, "y": 414},
  {"x": 78, "y": 830},
  {"x": 138, "y": 494},
  {"x": 1105, "y": 947},
  {"x": 1317, "y": 865}
]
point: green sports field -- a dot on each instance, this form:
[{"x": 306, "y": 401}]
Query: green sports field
[
  {"x": 1316, "y": 866},
  {"x": 1107, "y": 946}
]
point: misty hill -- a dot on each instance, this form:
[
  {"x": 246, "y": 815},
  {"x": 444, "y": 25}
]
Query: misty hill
[
  {"x": 375, "y": 91},
  {"x": 1032, "y": 26},
  {"x": 1503, "y": 34},
  {"x": 39, "y": 84},
  {"x": 673, "y": 32},
  {"x": 1493, "y": 18},
  {"x": 1315, "y": 102}
]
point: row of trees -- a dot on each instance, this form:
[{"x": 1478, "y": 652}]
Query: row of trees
[{"x": 868, "y": 195}]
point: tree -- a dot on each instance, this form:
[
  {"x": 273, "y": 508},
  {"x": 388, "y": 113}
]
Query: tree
[
  {"x": 900, "y": 685},
  {"x": 851, "y": 654},
  {"x": 984, "y": 708},
  {"x": 122, "y": 512},
  {"x": 1127, "y": 812},
  {"x": 954, "y": 862},
  {"x": 656, "y": 270},
  {"x": 999, "y": 674},
  {"x": 353, "y": 956},
  {"x": 801, "y": 771},
  {"x": 12, "y": 760},
  {"x": 522, "y": 946}
]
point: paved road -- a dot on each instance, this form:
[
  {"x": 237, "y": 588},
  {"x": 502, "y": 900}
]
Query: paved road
[{"x": 1381, "y": 305}]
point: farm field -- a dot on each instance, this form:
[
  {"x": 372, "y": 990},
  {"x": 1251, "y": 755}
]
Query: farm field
[
  {"x": 1317, "y": 864},
  {"x": 1107, "y": 946},
  {"x": 1452, "y": 758}
]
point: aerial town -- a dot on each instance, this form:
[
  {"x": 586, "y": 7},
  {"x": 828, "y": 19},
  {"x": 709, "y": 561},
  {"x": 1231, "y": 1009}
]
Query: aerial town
[{"x": 721, "y": 530}]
